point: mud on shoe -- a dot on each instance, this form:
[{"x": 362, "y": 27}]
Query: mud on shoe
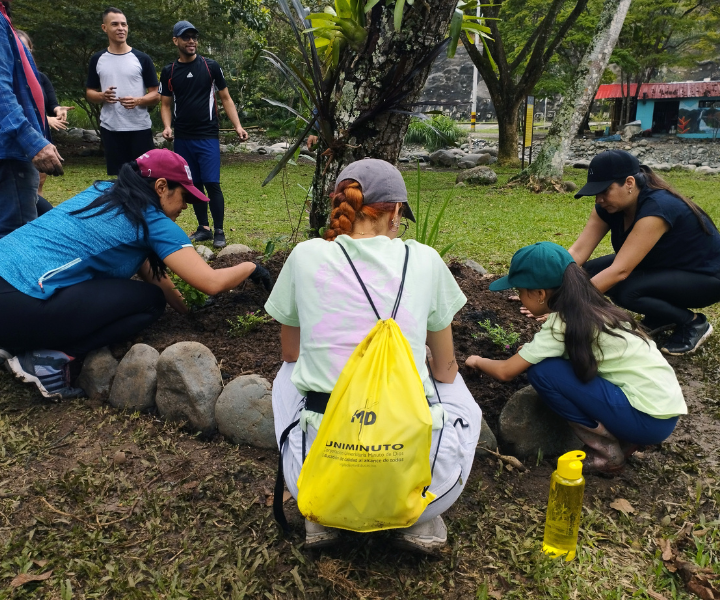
[
  {"x": 423, "y": 537},
  {"x": 319, "y": 536},
  {"x": 48, "y": 370},
  {"x": 687, "y": 338},
  {"x": 201, "y": 235}
]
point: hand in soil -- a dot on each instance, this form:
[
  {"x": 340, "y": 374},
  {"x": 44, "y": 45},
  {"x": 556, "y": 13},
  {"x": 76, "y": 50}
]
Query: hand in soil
[
  {"x": 526, "y": 312},
  {"x": 262, "y": 275}
]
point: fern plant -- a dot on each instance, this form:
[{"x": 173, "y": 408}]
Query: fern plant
[
  {"x": 244, "y": 324},
  {"x": 434, "y": 133}
]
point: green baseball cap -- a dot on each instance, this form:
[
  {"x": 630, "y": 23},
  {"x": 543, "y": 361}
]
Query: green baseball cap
[{"x": 537, "y": 267}]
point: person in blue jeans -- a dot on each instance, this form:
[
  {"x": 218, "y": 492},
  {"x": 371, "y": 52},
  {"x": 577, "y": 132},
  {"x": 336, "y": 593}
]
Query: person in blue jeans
[
  {"x": 589, "y": 363},
  {"x": 190, "y": 83},
  {"x": 25, "y": 152}
]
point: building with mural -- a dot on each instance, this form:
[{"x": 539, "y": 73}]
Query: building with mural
[{"x": 689, "y": 109}]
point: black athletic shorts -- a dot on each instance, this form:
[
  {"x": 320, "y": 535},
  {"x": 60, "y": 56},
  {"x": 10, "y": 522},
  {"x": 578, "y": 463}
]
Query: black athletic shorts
[{"x": 124, "y": 146}]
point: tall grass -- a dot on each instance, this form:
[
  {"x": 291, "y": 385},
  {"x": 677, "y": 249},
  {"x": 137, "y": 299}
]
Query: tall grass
[{"x": 434, "y": 133}]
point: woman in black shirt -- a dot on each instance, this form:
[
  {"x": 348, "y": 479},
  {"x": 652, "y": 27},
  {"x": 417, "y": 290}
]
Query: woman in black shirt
[{"x": 667, "y": 249}]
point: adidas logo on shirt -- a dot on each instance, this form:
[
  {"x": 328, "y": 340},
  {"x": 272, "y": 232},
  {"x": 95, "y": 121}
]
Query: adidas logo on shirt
[{"x": 189, "y": 75}]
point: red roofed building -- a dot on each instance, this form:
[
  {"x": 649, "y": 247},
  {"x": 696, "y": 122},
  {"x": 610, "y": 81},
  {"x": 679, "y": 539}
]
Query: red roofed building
[{"x": 687, "y": 108}]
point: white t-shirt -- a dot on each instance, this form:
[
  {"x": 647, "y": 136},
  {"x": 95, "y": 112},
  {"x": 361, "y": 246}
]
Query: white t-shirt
[
  {"x": 131, "y": 74},
  {"x": 629, "y": 362},
  {"x": 318, "y": 292}
]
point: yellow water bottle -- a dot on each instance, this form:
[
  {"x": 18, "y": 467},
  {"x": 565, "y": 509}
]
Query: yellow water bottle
[{"x": 564, "y": 506}]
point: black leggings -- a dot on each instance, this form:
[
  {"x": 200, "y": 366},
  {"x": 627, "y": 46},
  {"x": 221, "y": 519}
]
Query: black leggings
[
  {"x": 662, "y": 295},
  {"x": 80, "y": 318},
  {"x": 217, "y": 206}
]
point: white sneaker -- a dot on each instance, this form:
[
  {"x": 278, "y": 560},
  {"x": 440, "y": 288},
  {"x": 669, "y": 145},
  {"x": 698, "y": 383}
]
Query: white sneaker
[
  {"x": 423, "y": 537},
  {"x": 319, "y": 536},
  {"x": 4, "y": 357}
]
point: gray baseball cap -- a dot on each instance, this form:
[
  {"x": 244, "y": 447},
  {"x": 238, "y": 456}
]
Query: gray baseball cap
[
  {"x": 183, "y": 26},
  {"x": 379, "y": 181}
]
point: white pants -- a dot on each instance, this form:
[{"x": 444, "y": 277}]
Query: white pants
[{"x": 454, "y": 459}]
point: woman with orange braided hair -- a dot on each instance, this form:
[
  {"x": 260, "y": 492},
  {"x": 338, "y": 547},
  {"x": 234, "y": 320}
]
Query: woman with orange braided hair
[{"x": 325, "y": 314}]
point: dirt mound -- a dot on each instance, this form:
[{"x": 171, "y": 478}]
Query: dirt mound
[{"x": 259, "y": 351}]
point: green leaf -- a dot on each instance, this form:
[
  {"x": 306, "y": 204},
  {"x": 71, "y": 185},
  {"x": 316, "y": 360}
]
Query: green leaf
[
  {"x": 322, "y": 17},
  {"x": 456, "y": 26},
  {"x": 370, "y": 4},
  {"x": 399, "y": 5}
]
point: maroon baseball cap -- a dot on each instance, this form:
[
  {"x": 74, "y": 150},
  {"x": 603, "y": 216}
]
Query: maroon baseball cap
[{"x": 168, "y": 165}]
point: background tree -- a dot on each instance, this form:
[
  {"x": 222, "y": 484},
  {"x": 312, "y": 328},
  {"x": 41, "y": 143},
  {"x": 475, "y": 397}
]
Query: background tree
[
  {"x": 525, "y": 37},
  {"x": 579, "y": 95},
  {"x": 360, "y": 79},
  {"x": 659, "y": 34}
]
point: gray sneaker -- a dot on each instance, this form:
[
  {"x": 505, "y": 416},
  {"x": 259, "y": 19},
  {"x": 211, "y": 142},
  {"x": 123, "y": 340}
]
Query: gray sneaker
[
  {"x": 319, "y": 536},
  {"x": 48, "y": 370},
  {"x": 423, "y": 537},
  {"x": 688, "y": 338}
]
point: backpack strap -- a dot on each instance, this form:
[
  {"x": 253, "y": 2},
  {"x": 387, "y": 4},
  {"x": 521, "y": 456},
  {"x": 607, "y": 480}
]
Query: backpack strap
[
  {"x": 367, "y": 294},
  {"x": 278, "y": 511}
]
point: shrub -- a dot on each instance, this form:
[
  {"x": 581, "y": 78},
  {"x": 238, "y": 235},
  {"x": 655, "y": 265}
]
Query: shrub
[
  {"x": 244, "y": 324},
  {"x": 193, "y": 297},
  {"x": 434, "y": 133},
  {"x": 498, "y": 335}
]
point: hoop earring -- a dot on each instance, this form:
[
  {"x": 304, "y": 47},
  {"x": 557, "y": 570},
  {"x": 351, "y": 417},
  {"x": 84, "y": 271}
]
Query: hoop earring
[{"x": 541, "y": 301}]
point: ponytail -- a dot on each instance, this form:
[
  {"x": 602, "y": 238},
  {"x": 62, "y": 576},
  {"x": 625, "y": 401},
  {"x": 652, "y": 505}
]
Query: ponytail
[
  {"x": 647, "y": 178},
  {"x": 586, "y": 314},
  {"x": 347, "y": 207}
]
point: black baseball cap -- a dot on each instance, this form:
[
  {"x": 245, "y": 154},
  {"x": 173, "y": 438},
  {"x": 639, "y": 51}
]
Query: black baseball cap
[
  {"x": 183, "y": 26},
  {"x": 606, "y": 168}
]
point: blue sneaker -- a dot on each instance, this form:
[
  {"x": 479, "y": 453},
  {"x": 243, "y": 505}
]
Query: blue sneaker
[{"x": 48, "y": 370}]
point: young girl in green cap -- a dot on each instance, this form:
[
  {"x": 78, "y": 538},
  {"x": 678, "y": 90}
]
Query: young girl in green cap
[{"x": 589, "y": 363}]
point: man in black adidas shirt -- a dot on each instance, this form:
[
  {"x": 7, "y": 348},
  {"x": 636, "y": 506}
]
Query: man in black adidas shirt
[{"x": 190, "y": 84}]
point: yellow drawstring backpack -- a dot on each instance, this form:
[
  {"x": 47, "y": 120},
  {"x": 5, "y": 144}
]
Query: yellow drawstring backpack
[{"x": 369, "y": 467}]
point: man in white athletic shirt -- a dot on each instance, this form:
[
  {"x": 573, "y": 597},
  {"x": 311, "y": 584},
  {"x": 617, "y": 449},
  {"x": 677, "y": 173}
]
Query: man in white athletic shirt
[{"x": 124, "y": 81}]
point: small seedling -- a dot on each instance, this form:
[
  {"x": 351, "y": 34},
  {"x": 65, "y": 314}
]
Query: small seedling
[
  {"x": 498, "y": 335},
  {"x": 244, "y": 324},
  {"x": 192, "y": 297}
]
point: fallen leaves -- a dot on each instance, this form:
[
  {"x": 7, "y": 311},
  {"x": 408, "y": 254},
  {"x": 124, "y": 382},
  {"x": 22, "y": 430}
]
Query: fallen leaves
[
  {"x": 622, "y": 506},
  {"x": 24, "y": 578},
  {"x": 698, "y": 580}
]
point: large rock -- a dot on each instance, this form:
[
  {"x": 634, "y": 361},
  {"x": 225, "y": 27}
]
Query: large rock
[
  {"x": 581, "y": 164},
  {"x": 705, "y": 170},
  {"x": 188, "y": 385},
  {"x": 477, "y": 176},
  {"x": 244, "y": 412},
  {"x": 475, "y": 266},
  {"x": 527, "y": 426},
  {"x": 629, "y": 131},
  {"x": 205, "y": 252},
  {"x": 89, "y": 135},
  {"x": 473, "y": 160},
  {"x": 135, "y": 382},
  {"x": 97, "y": 373},
  {"x": 487, "y": 440},
  {"x": 234, "y": 249},
  {"x": 444, "y": 158}
]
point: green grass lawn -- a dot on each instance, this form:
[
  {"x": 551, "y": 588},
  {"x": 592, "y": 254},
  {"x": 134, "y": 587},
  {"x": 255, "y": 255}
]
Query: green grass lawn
[{"x": 488, "y": 224}]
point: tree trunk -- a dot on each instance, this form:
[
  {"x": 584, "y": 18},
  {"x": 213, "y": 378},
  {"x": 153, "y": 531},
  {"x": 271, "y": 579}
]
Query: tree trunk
[
  {"x": 507, "y": 115},
  {"x": 551, "y": 158},
  {"x": 388, "y": 59}
]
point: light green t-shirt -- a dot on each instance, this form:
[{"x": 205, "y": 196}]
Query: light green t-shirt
[
  {"x": 629, "y": 362},
  {"x": 318, "y": 292}
]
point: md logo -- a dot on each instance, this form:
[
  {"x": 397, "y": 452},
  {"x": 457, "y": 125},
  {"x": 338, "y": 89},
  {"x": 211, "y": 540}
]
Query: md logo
[{"x": 365, "y": 417}]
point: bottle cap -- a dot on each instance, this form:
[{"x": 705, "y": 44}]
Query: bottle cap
[{"x": 569, "y": 465}]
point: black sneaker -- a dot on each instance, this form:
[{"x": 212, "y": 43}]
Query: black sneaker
[
  {"x": 219, "y": 239},
  {"x": 688, "y": 338},
  {"x": 201, "y": 235},
  {"x": 48, "y": 370},
  {"x": 652, "y": 326}
]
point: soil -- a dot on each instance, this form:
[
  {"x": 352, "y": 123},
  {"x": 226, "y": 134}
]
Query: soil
[{"x": 259, "y": 351}]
